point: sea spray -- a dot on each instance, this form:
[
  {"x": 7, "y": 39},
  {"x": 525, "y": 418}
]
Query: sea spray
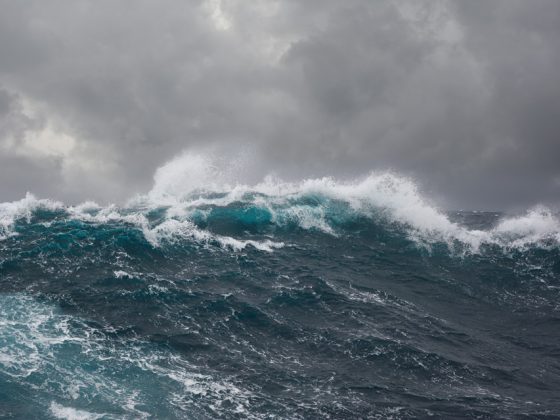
[
  {"x": 214, "y": 297},
  {"x": 191, "y": 190}
]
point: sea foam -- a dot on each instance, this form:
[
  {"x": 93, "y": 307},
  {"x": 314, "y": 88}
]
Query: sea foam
[
  {"x": 197, "y": 183},
  {"x": 12, "y": 211},
  {"x": 72, "y": 360},
  {"x": 193, "y": 180}
]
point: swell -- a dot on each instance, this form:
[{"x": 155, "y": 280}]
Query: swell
[
  {"x": 196, "y": 200},
  {"x": 257, "y": 220},
  {"x": 208, "y": 297},
  {"x": 241, "y": 335}
]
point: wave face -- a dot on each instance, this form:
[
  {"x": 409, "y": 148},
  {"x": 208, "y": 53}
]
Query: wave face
[{"x": 212, "y": 298}]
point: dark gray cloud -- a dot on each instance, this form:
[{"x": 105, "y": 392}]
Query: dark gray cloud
[{"x": 463, "y": 95}]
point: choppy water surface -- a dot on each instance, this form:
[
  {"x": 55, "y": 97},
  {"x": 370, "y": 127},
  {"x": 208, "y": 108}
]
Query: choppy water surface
[{"x": 318, "y": 299}]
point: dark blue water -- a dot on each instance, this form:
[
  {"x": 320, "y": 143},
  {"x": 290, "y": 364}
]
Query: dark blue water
[{"x": 304, "y": 307}]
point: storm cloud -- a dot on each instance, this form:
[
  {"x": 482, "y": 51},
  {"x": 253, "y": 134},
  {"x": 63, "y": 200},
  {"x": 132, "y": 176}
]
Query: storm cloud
[{"x": 464, "y": 96}]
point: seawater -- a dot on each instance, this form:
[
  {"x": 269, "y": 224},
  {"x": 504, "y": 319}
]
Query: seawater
[{"x": 210, "y": 298}]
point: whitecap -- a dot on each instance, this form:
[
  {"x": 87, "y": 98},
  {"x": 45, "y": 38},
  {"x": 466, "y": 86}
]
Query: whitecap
[
  {"x": 69, "y": 413},
  {"x": 12, "y": 211},
  {"x": 192, "y": 184}
]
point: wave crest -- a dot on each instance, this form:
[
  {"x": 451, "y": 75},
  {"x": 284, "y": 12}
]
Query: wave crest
[
  {"x": 192, "y": 181},
  {"x": 192, "y": 189},
  {"x": 12, "y": 211}
]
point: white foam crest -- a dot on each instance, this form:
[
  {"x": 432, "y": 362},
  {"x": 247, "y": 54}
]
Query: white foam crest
[
  {"x": 397, "y": 196},
  {"x": 37, "y": 337},
  {"x": 173, "y": 230},
  {"x": 538, "y": 225},
  {"x": 184, "y": 175},
  {"x": 107, "y": 214},
  {"x": 121, "y": 274},
  {"x": 69, "y": 413},
  {"x": 85, "y": 207},
  {"x": 307, "y": 217},
  {"x": 176, "y": 227},
  {"x": 12, "y": 211},
  {"x": 193, "y": 180},
  {"x": 179, "y": 183}
]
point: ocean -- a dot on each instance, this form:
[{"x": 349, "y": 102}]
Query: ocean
[{"x": 319, "y": 299}]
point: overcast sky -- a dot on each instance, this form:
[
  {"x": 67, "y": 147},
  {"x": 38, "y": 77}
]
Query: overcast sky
[{"x": 462, "y": 95}]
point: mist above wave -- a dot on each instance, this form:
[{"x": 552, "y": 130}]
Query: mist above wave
[
  {"x": 192, "y": 186},
  {"x": 193, "y": 180}
]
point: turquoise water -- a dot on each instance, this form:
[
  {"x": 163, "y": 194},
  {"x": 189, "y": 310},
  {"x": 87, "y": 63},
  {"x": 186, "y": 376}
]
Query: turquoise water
[{"x": 317, "y": 300}]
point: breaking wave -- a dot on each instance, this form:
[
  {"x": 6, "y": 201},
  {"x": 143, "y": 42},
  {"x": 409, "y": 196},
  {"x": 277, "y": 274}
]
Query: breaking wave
[
  {"x": 212, "y": 296},
  {"x": 192, "y": 193}
]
